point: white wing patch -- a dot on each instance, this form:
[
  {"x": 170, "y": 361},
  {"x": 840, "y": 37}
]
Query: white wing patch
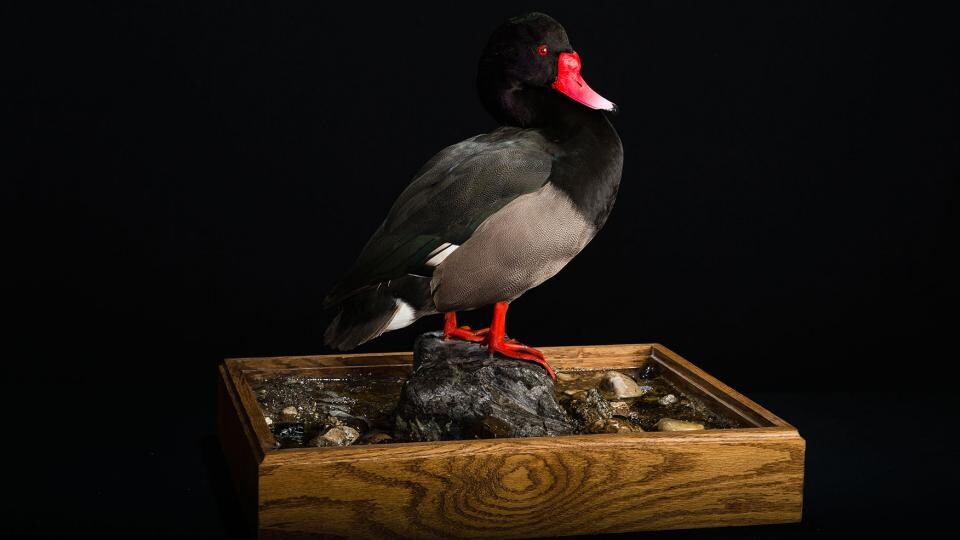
[
  {"x": 442, "y": 252},
  {"x": 402, "y": 317}
]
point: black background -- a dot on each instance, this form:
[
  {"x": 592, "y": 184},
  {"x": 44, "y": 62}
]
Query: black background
[{"x": 185, "y": 183}]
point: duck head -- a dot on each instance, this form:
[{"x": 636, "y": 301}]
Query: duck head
[{"x": 529, "y": 72}]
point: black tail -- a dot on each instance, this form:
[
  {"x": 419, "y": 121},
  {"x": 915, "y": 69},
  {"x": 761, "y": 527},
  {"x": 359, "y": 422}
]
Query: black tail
[{"x": 372, "y": 311}]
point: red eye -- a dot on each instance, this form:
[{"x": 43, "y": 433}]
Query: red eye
[{"x": 542, "y": 50}]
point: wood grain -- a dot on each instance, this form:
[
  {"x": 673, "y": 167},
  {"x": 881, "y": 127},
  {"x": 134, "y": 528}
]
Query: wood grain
[
  {"x": 242, "y": 452},
  {"x": 529, "y": 488},
  {"x": 542, "y": 486},
  {"x": 250, "y": 412}
]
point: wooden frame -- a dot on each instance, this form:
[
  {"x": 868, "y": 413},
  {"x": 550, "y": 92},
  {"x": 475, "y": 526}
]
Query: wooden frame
[{"x": 513, "y": 488}]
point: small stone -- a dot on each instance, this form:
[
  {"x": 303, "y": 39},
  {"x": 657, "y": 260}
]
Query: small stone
[
  {"x": 589, "y": 407},
  {"x": 620, "y": 408},
  {"x": 379, "y": 438},
  {"x": 565, "y": 377},
  {"x": 668, "y": 399},
  {"x": 616, "y": 385},
  {"x": 289, "y": 413},
  {"x": 336, "y": 436},
  {"x": 614, "y": 425},
  {"x": 268, "y": 420},
  {"x": 670, "y": 424},
  {"x": 288, "y": 434}
]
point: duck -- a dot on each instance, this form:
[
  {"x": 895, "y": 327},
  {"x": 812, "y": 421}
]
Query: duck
[{"x": 491, "y": 217}]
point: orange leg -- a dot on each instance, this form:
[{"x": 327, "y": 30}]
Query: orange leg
[
  {"x": 513, "y": 349},
  {"x": 495, "y": 337},
  {"x": 451, "y": 330}
]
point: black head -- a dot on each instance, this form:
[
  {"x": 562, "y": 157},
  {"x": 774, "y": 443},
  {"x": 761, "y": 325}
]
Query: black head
[{"x": 527, "y": 59}]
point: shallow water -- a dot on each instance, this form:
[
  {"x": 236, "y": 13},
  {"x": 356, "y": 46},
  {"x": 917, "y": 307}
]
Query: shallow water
[{"x": 368, "y": 404}]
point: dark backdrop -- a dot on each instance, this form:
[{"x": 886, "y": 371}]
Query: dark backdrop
[{"x": 185, "y": 183}]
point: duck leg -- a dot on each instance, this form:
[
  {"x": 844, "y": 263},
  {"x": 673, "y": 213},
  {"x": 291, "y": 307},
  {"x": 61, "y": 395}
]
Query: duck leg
[
  {"x": 496, "y": 342},
  {"x": 451, "y": 330}
]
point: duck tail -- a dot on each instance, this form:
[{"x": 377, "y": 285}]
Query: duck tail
[{"x": 371, "y": 311}]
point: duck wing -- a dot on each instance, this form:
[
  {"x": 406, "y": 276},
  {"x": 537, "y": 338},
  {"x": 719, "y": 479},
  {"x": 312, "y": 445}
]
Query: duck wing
[{"x": 451, "y": 195}]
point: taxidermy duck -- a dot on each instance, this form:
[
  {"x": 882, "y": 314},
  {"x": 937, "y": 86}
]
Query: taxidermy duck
[{"x": 489, "y": 218}]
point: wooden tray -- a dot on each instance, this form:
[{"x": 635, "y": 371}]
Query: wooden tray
[{"x": 513, "y": 488}]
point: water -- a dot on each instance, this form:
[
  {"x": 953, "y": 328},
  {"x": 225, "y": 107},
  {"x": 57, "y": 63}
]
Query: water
[{"x": 368, "y": 404}]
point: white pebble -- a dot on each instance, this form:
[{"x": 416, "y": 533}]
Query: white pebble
[
  {"x": 616, "y": 385},
  {"x": 670, "y": 424},
  {"x": 668, "y": 399}
]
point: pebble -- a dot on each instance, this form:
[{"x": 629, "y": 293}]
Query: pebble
[
  {"x": 268, "y": 420},
  {"x": 668, "y": 399},
  {"x": 379, "y": 438},
  {"x": 621, "y": 408},
  {"x": 336, "y": 436},
  {"x": 589, "y": 407},
  {"x": 616, "y": 385},
  {"x": 288, "y": 434},
  {"x": 670, "y": 424},
  {"x": 289, "y": 413},
  {"x": 614, "y": 425}
]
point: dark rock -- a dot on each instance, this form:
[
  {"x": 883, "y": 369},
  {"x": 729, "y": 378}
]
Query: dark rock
[
  {"x": 288, "y": 434},
  {"x": 488, "y": 427},
  {"x": 457, "y": 390}
]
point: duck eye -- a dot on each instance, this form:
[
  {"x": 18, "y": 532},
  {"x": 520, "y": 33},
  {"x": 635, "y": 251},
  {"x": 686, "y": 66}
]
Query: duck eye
[{"x": 542, "y": 50}]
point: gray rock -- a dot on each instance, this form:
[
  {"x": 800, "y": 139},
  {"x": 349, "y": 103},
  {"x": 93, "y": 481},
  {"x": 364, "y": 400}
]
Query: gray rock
[
  {"x": 670, "y": 424},
  {"x": 336, "y": 436},
  {"x": 457, "y": 390},
  {"x": 616, "y": 385}
]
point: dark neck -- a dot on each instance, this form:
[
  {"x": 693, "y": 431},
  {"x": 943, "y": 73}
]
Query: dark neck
[
  {"x": 591, "y": 159},
  {"x": 530, "y": 107}
]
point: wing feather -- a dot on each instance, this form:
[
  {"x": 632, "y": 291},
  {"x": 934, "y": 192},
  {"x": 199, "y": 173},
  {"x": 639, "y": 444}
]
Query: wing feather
[{"x": 451, "y": 195}]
